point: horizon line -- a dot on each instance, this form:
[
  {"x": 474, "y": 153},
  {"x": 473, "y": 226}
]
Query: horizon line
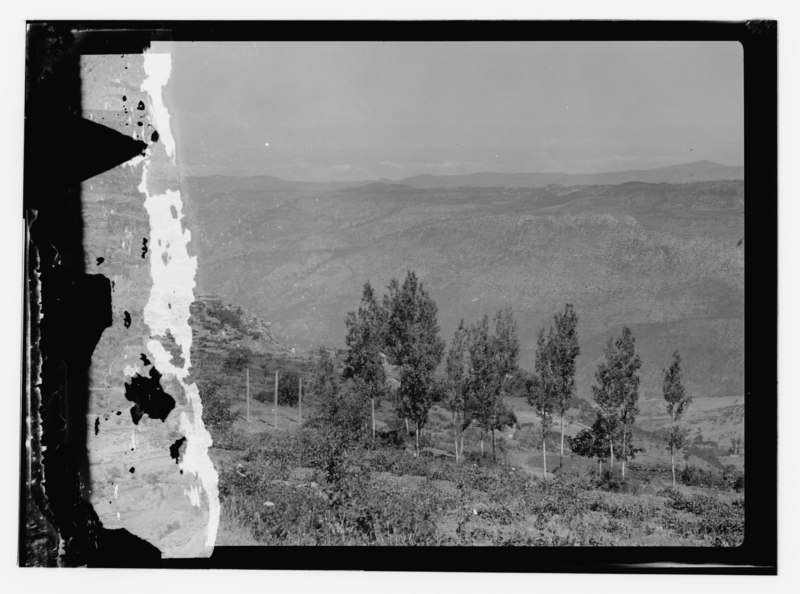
[{"x": 483, "y": 172}]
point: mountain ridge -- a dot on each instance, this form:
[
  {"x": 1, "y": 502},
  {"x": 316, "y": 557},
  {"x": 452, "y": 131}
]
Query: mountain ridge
[{"x": 680, "y": 173}]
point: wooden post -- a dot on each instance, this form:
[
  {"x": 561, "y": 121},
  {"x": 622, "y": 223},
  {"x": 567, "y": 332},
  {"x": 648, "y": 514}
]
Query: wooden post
[
  {"x": 300, "y": 397},
  {"x": 248, "y": 394},
  {"x": 276, "y": 400}
]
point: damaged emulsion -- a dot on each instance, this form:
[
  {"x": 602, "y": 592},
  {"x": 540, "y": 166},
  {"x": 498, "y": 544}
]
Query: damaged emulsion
[
  {"x": 144, "y": 247},
  {"x": 149, "y": 397},
  {"x": 175, "y": 449},
  {"x": 126, "y": 319}
]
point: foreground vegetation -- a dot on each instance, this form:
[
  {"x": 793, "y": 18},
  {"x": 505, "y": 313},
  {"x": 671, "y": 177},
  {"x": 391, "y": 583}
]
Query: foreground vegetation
[
  {"x": 280, "y": 494},
  {"x": 386, "y": 450}
]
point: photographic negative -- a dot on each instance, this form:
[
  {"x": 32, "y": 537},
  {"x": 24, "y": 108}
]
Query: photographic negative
[{"x": 396, "y": 290}]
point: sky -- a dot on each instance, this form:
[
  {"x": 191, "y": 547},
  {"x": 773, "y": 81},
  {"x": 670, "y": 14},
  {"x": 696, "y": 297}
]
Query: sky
[{"x": 335, "y": 111}]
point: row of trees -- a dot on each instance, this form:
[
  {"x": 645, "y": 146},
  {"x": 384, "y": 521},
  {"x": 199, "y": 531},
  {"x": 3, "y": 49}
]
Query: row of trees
[
  {"x": 403, "y": 331},
  {"x": 480, "y": 366},
  {"x": 482, "y": 363}
]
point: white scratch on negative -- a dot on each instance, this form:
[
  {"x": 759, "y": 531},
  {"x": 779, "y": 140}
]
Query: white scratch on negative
[
  {"x": 194, "y": 495},
  {"x": 157, "y": 68},
  {"x": 172, "y": 293}
]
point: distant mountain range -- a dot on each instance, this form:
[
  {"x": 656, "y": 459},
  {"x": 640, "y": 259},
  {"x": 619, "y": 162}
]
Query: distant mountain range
[
  {"x": 659, "y": 256},
  {"x": 689, "y": 172},
  {"x": 673, "y": 174}
]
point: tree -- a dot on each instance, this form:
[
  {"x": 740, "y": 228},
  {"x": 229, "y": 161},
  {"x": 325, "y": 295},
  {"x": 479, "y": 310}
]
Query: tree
[
  {"x": 543, "y": 387},
  {"x": 506, "y": 347},
  {"x": 493, "y": 362},
  {"x": 340, "y": 420},
  {"x": 616, "y": 392},
  {"x": 677, "y": 403},
  {"x": 457, "y": 370},
  {"x": 564, "y": 350},
  {"x": 363, "y": 362},
  {"x": 411, "y": 336},
  {"x": 593, "y": 442}
]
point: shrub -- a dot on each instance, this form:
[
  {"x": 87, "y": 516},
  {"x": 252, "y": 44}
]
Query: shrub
[
  {"x": 217, "y": 414},
  {"x": 288, "y": 389},
  {"x": 229, "y": 316},
  {"x": 698, "y": 477},
  {"x": 263, "y": 396},
  {"x": 238, "y": 358}
]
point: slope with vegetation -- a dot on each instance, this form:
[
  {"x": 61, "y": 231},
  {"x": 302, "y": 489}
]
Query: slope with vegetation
[{"x": 353, "y": 471}]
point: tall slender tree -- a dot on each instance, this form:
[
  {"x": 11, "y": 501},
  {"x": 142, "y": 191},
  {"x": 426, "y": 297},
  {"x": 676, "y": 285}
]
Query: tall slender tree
[
  {"x": 482, "y": 376},
  {"x": 363, "y": 362},
  {"x": 616, "y": 392},
  {"x": 457, "y": 371},
  {"x": 506, "y": 349},
  {"x": 677, "y": 402},
  {"x": 493, "y": 360},
  {"x": 564, "y": 352},
  {"x": 412, "y": 340},
  {"x": 542, "y": 387}
]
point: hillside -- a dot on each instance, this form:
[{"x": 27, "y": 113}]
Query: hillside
[
  {"x": 276, "y": 486},
  {"x": 660, "y": 257}
]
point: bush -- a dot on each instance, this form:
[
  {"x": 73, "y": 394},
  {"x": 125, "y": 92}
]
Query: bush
[
  {"x": 229, "y": 316},
  {"x": 238, "y": 358},
  {"x": 264, "y": 396},
  {"x": 288, "y": 389},
  {"x": 694, "y": 476},
  {"x": 611, "y": 480},
  {"x": 217, "y": 414}
]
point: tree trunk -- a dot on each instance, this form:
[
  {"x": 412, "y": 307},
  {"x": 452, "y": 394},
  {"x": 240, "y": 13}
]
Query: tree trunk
[
  {"x": 456, "y": 432},
  {"x": 561, "y": 455},
  {"x": 275, "y": 418},
  {"x": 494, "y": 454},
  {"x": 408, "y": 430},
  {"x": 481, "y": 446},
  {"x": 672, "y": 447},
  {"x": 624, "y": 454},
  {"x": 544, "y": 458},
  {"x": 462, "y": 445},
  {"x": 300, "y": 399},
  {"x": 611, "y": 446},
  {"x": 672, "y": 460},
  {"x": 417, "y": 439}
]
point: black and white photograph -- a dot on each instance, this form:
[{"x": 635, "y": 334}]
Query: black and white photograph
[{"x": 481, "y": 288}]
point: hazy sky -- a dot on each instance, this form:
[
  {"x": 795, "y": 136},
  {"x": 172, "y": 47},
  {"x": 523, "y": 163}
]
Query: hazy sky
[{"x": 343, "y": 111}]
